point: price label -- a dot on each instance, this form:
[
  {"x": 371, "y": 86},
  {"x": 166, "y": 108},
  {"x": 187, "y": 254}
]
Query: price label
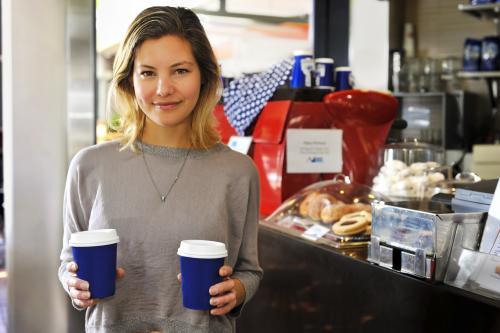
[
  {"x": 315, "y": 232},
  {"x": 240, "y": 143}
]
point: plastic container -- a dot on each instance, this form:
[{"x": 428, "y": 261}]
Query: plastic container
[
  {"x": 411, "y": 170},
  {"x": 338, "y": 209}
]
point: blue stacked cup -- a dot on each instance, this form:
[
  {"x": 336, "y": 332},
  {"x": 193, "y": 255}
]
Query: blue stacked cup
[
  {"x": 302, "y": 70},
  {"x": 94, "y": 252},
  {"x": 200, "y": 261},
  {"x": 490, "y": 55},
  {"x": 481, "y": 2},
  {"x": 324, "y": 73},
  {"x": 472, "y": 54},
  {"x": 343, "y": 78}
]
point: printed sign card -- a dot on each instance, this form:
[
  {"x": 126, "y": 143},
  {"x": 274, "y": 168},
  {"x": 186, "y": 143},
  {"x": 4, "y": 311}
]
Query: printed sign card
[{"x": 314, "y": 150}]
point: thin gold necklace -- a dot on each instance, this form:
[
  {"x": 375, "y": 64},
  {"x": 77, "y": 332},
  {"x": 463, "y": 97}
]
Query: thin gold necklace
[{"x": 163, "y": 197}]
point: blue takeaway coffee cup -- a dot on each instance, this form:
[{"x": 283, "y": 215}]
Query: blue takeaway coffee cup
[
  {"x": 472, "y": 54},
  {"x": 94, "y": 252},
  {"x": 343, "y": 78},
  {"x": 324, "y": 72},
  {"x": 302, "y": 70},
  {"x": 490, "y": 56},
  {"x": 200, "y": 263}
]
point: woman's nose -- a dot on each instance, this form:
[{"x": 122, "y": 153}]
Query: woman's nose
[{"x": 164, "y": 88}]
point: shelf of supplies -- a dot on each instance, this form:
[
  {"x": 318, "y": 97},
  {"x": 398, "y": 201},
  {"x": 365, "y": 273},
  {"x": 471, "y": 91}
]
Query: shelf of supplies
[
  {"x": 479, "y": 75},
  {"x": 418, "y": 94},
  {"x": 489, "y": 10}
]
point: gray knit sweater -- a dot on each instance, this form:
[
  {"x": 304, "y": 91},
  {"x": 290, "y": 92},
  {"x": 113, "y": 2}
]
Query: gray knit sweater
[{"x": 216, "y": 198}]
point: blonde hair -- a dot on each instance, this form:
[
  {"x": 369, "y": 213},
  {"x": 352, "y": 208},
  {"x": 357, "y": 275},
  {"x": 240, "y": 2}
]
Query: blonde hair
[{"x": 153, "y": 23}]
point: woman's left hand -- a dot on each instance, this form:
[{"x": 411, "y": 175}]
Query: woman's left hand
[
  {"x": 225, "y": 295},
  {"x": 228, "y": 294}
]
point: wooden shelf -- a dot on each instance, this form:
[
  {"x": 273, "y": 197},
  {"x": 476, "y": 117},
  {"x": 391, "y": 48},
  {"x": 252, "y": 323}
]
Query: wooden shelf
[
  {"x": 489, "y": 10},
  {"x": 479, "y": 75}
]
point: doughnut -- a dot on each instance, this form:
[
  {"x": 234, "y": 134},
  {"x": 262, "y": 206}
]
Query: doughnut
[
  {"x": 304, "y": 205},
  {"x": 334, "y": 212},
  {"x": 351, "y": 225},
  {"x": 360, "y": 214},
  {"x": 318, "y": 203}
]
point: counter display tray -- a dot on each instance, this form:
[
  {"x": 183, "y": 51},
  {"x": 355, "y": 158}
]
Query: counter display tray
[{"x": 297, "y": 226}]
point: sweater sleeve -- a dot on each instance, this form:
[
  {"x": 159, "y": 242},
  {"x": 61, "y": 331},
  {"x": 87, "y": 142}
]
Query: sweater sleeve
[
  {"x": 74, "y": 216},
  {"x": 247, "y": 268}
]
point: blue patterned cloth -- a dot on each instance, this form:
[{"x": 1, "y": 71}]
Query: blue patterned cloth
[{"x": 245, "y": 97}]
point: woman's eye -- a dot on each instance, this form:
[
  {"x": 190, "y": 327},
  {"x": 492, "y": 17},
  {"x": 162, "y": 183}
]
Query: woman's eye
[
  {"x": 181, "y": 71},
  {"x": 147, "y": 73}
]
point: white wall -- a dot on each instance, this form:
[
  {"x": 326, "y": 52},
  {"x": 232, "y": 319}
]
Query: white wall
[
  {"x": 34, "y": 124},
  {"x": 369, "y": 43}
]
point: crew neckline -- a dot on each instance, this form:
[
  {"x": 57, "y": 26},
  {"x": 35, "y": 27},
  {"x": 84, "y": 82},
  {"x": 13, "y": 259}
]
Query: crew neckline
[{"x": 175, "y": 152}]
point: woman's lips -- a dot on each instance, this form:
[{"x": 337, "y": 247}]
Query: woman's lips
[{"x": 166, "y": 106}]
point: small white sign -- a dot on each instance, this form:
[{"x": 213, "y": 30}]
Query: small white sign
[
  {"x": 315, "y": 232},
  {"x": 314, "y": 150},
  {"x": 240, "y": 143},
  {"x": 491, "y": 240},
  {"x": 489, "y": 274}
]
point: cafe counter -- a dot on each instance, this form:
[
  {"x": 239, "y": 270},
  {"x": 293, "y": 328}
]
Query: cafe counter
[{"x": 312, "y": 287}]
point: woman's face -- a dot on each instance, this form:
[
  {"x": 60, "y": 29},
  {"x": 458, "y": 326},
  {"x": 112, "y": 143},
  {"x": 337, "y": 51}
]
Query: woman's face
[{"x": 167, "y": 83}]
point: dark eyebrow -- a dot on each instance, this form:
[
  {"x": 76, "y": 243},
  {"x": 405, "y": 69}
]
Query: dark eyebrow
[
  {"x": 145, "y": 66},
  {"x": 177, "y": 64},
  {"x": 182, "y": 63}
]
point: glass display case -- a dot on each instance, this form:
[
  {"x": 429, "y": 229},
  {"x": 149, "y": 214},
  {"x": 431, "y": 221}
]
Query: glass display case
[{"x": 334, "y": 212}]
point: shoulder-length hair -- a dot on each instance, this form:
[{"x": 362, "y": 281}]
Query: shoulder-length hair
[{"x": 153, "y": 23}]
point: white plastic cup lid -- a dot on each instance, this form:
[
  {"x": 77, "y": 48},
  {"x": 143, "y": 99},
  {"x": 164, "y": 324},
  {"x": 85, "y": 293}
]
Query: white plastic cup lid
[
  {"x": 302, "y": 53},
  {"x": 343, "y": 69},
  {"x": 94, "y": 238},
  {"x": 202, "y": 249},
  {"x": 324, "y": 60}
]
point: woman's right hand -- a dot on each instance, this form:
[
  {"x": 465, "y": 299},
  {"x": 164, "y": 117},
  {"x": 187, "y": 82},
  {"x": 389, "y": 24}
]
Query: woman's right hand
[{"x": 79, "y": 289}]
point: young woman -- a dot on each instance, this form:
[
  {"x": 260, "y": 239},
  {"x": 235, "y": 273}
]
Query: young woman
[{"x": 167, "y": 180}]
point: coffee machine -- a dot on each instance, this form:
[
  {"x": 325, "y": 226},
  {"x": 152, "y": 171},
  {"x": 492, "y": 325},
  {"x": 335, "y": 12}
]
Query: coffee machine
[{"x": 365, "y": 118}]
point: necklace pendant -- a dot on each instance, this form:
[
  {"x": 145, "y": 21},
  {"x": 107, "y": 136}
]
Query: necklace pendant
[{"x": 163, "y": 197}]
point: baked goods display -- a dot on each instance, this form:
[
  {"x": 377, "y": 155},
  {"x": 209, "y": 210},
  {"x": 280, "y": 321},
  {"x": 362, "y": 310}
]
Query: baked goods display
[
  {"x": 325, "y": 207},
  {"x": 341, "y": 207},
  {"x": 419, "y": 180}
]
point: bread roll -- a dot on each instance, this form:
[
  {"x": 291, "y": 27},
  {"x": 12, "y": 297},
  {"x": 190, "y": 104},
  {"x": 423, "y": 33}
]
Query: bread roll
[{"x": 318, "y": 203}]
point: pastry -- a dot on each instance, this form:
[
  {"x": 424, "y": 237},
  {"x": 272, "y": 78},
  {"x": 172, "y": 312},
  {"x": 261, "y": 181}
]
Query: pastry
[
  {"x": 304, "y": 205},
  {"x": 318, "y": 203},
  {"x": 332, "y": 213}
]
